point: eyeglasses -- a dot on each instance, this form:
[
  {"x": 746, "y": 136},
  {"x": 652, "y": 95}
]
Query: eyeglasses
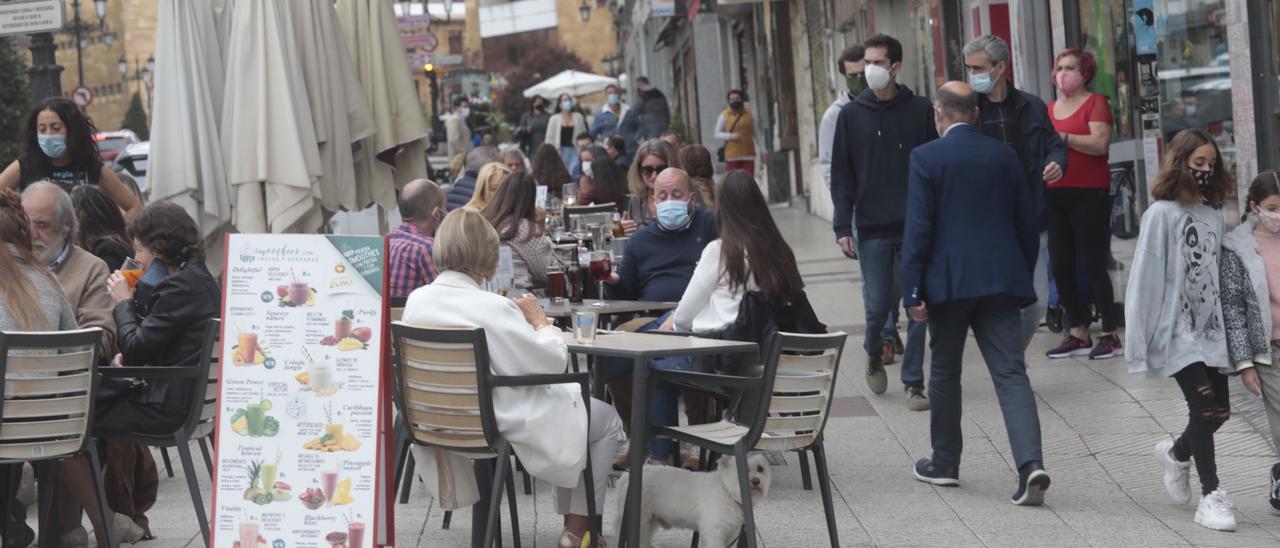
[{"x": 651, "y": 170}]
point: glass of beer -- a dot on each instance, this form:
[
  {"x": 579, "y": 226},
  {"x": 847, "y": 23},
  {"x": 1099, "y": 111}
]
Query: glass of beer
[
  {"x": 556, "y": 283},
  {"x": 132, "y": 271}
]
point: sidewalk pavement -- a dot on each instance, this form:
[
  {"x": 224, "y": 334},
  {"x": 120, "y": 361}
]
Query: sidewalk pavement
[{"x": 1099, "y": 425}]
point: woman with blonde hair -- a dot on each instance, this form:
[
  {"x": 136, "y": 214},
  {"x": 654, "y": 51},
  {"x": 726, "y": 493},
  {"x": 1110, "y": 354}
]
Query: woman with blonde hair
[
  {"x": 487, "y": 184},
  {"x": 547, "y": 426}
]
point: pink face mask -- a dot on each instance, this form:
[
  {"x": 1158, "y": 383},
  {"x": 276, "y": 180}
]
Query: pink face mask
[
  {"x": 1269, "y": 220},
  {"x": 1068, "y": 81}
]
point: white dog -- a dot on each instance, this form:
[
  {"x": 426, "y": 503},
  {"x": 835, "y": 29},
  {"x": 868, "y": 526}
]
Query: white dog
[{"x": 707, "y": 502}]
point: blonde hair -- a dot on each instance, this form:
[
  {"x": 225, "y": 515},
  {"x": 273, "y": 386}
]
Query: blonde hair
[
  {"x": 466, "y": 242},
  {"x": 652, "y": 147},
  {"x": 487, "y": 184}
]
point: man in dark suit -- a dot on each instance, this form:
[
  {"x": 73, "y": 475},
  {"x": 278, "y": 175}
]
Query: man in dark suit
[{"x": 972, "y": 236}]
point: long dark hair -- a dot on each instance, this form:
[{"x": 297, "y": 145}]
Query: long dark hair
[
  {"x": 608, "y": 182},
  {"x": 81, "y": 147},
  {"x": 513, "y": 204},
  {"x": 1175, "y": 183},
  {"x": 99, "y": 218},
  {"x": 748, "y": 233},
  {"x": 548, "y": 168}
]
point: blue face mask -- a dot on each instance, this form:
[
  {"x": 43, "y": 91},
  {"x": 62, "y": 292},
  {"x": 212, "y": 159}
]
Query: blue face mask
[
  {"x": 981, "y": 83},
  {"x": 566, "y": 104},
  {"x": 53, "y": 146},
  {"x": 613, "y": 98},
  {"x": 673, "y": 215}
]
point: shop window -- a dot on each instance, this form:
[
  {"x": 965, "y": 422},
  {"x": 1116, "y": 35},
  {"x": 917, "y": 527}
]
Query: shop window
[{"x": 1195, "y": 74}]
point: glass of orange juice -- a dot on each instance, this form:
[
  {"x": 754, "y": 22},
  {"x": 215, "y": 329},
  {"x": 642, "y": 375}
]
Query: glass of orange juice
[{"x": 132, "y": 271}]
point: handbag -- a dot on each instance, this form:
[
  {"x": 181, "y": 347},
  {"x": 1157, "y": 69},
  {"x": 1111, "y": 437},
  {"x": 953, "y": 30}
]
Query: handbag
[
  {"x": 720, "y": 151},
  {"x": 758, "y": 320}
]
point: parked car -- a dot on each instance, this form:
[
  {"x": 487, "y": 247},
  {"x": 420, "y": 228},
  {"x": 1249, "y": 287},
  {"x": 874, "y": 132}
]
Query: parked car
[
  {"x": 111, "y": 143},
  {"x": 132, "y": 162}
]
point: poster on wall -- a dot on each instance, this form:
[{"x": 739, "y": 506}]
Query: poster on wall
[
  {"x": 300, "y": 393},
  {"x": 1144, "y": 27}
]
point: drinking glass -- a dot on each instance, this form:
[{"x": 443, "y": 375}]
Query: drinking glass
[
  {"x": 569, "y": 193},
  {"x": 601, "y": 267},
  {"x": 581, "y": 230},
  {"x": 132, "y": 271},
  {"x": 584, "y": 326},
  {"x": 556, "y": 283}
]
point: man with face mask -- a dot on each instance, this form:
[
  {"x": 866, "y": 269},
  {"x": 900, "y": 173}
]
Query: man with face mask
[
  {"x": 874, "y": 136},
  {"x": 970, "y": 246},
  {"x": 1021, "y": 121},
  {"x": 611, "y": 114},
  {"x": 457, "y": 132},
  {"x": 850, "y": 67},
  {"x": 422, "y": 208},
  {"x": 657, "y": 265}
]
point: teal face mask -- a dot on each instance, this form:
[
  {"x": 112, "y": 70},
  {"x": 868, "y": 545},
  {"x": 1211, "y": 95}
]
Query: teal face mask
[
  {"x": 673, "y": 215},
  {"x": 982, "y": 82},
  {"x": 53, "y": 146}
]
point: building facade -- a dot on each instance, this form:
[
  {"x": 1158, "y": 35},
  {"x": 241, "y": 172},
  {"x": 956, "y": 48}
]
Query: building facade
[{"x": 511, "y": 28}]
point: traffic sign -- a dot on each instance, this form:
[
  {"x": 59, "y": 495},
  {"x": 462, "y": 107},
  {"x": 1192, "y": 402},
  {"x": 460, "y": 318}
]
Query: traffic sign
[
  {"x": 31, "y": 16},
  {"x": 449, "y": 59},
  {"x": 82, "y": 96}
]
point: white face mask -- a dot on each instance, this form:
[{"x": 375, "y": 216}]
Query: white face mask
[
  {"x": 586, "y": 168},
  {"x": 877, "y": 77},
  {"x": 1270, "y": 220}
]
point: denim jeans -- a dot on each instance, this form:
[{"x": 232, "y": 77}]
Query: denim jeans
[
  {"x": 881, "y": 295},
  {"x": 664, "y": 409}
]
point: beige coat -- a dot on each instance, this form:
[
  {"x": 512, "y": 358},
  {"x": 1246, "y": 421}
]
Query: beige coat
[
  {"x": 546, "y": 425},
  {"x": 554, "y": 125},
  {"x": 83, "y": 278},
  {"x": 458, "y": 133}
]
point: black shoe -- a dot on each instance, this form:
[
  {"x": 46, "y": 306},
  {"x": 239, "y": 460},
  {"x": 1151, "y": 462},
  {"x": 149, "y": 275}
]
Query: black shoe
[
  {"x": 1053, "y": 319},
  {"x": 17, "y": 534},
  {"x": 1275, "y": 487},
  {"x": 1033, "y": 481},
  {"x": 927, "y": 472}
]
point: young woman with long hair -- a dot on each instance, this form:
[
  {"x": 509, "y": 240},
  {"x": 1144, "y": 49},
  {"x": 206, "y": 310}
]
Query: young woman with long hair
[
  {"x": 57, "y": 146},
  {"x": 695, "y": 159},
  {"x": 32, "y": 299},
  {"x": 102, "y": 229},
  {"x": 488, "y": 182},
  {"x": 563, "y": 127},
  {"x": 515, "y": 216},
  {"x": 548, "y": 169},
  {"x": 1173, "y": 313},
  {"x": 608, "y": 182}
]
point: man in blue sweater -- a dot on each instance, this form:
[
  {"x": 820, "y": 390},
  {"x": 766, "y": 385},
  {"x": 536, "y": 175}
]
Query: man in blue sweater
[
  {"x": 874, "y": 137},
  {"x": 657, "y": 266}
]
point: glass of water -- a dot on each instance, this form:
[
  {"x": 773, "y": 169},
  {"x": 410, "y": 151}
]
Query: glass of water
[{"x": 584, "y": 326}]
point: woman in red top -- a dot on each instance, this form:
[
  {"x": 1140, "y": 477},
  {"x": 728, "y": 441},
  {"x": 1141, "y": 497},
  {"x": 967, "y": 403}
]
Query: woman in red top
[{"x": 1077, "y": 210}]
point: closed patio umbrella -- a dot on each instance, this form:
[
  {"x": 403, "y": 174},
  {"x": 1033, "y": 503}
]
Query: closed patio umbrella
[
  {"x": 573, "y": 82},
  {"x": 186, "y": 160},
  {"x": 396, "y": 153},
  {"x": 338, "y": 104},
  {"x": 268, "y": 137}
]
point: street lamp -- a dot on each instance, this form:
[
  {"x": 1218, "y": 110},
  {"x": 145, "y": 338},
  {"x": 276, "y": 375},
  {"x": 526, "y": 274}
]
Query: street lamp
[
  {"x": 78, "y": 30},
  {"x": 584, "y": 11}
]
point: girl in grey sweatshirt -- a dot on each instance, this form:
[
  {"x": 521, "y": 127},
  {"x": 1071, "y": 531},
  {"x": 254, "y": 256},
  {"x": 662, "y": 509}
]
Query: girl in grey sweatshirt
[
  {"x": 1251, "y": 302},
  {"x": 1173, "y": 313}
]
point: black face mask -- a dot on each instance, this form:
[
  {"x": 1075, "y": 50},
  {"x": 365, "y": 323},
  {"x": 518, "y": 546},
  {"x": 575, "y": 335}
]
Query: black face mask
[
  {"x": 1202, "y": 176},
  {"x": 736, "y": 105}
]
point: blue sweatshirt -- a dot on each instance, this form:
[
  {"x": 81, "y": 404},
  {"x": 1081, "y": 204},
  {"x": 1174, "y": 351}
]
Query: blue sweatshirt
[
  {"x": 869, "y": 157},
  {"x": 657, "y": 264}
]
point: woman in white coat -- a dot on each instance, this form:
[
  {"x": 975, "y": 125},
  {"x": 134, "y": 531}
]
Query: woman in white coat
[
  {"x": 546, "y": 425},
  {"x": 565, "y": 126}
]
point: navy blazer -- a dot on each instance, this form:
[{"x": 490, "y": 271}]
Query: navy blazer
[{"x": 972, "y": 225}]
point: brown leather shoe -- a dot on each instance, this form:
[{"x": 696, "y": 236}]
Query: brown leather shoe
[
  {"x": 887, "y": 355},
  {"x": 897, "y": 344}
]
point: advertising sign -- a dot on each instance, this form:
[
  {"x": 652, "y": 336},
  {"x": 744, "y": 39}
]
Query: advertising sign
[{"x": 31, "y": 16}]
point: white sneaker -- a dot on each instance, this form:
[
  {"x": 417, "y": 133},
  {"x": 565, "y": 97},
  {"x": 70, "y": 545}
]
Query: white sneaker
[
  {"x": 1215, "y": 512},
  {"x": 1177, "y": 476}
]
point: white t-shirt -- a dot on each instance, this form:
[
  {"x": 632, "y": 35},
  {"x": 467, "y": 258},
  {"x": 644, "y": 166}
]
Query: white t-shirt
[{"x": 708, "y": 304}]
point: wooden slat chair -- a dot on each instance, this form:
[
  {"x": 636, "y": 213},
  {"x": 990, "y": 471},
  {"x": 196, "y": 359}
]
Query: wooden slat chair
[
  {"x": 793, "y": 397},
  {"x": 49, "y": 382},
  {"x": 197, "y": 412},
  {"x": 443, "y": 389}
]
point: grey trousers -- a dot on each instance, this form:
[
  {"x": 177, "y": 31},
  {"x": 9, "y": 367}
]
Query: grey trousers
[
  {"x": 995, "y": 322},
  {"x": 1270, "y": 377},
  {"x": 1033, "y": 314}
]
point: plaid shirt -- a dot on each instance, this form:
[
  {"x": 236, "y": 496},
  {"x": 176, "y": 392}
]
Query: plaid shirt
[{"x": 410, "y": 261}]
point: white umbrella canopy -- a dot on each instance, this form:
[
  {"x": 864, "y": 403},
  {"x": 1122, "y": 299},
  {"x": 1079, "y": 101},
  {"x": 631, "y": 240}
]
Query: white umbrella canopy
[
  {"x": 573, "y": 82},
  {"x": 186, "y": 161},
  {"x": 269, "y": 139},
  {"x": 338, "y": 103},
  {"x": 396, "y": 153}
]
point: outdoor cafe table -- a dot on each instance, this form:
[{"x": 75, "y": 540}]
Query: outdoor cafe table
[{"x": 641, "y": 348}]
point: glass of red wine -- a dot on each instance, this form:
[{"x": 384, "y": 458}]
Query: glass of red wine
[{"x": 601, "y": 268}]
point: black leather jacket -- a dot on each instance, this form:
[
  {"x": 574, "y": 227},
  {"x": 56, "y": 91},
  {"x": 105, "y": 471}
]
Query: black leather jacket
[{"x": 167, "y": 329}]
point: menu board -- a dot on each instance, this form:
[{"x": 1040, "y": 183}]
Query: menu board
[{"x": 300, "y": 393}]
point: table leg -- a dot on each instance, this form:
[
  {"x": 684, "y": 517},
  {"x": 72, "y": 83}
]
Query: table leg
[
  {"x": 597, "y": 377},
  {"x": 639, "y": 451}
]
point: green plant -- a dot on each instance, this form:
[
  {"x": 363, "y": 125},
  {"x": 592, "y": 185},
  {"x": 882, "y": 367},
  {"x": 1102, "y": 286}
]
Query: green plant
[
  {"x": 14, "y": 99},
  {"x": 536, "y": 66},
  {"x": 136, "y": 118},
  {"x": 677, "y": 127}
]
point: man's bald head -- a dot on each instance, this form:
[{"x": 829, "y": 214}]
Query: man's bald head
[
  {"x": 956, "y": 102},
  {"x": 419, "y": 202},
  {"x": 672, "y": 184}
]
